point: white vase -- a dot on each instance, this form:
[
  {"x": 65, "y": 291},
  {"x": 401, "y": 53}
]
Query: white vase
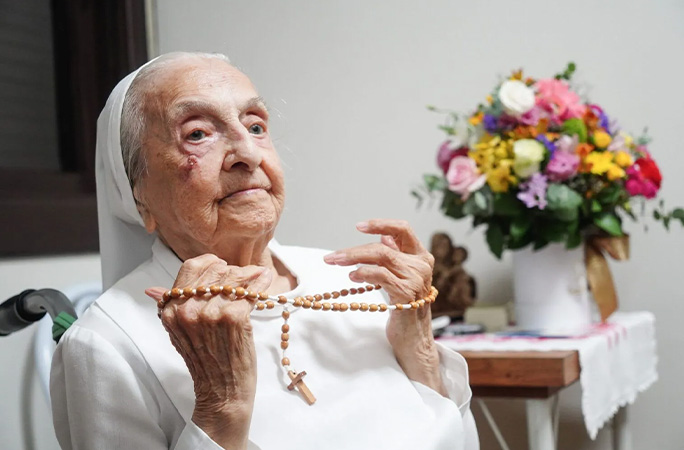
[{"x": 551, "y": 292}]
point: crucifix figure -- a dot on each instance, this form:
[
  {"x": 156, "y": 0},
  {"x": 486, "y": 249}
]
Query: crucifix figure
[{"x": 299, "y": 384}]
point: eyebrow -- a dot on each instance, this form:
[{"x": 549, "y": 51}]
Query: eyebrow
[{"x": 180, "y": 109}]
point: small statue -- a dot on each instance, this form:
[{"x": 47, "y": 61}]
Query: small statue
[{"x": 457, "y": 289}]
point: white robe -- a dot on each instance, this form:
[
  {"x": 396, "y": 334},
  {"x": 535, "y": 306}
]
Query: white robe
[{"x": 118, "y": 383}]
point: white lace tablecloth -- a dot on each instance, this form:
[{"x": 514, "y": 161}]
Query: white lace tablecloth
[{"x": 617, "y": 360}]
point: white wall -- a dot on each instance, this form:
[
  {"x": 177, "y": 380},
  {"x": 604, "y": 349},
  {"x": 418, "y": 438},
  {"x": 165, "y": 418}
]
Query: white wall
[
  {"x": 349, "y": 80},
  {"x": 32, "y": 273}
]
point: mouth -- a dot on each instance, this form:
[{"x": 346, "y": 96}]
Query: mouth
[{"x": 252, "y": 190}]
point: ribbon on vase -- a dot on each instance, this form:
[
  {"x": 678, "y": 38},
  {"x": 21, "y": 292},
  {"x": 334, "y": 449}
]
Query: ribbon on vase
[{"x": 598, "y": 272}]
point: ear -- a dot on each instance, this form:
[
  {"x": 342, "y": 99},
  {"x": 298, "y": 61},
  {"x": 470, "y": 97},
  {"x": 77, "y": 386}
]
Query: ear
[{"x": 147, "y": 217}]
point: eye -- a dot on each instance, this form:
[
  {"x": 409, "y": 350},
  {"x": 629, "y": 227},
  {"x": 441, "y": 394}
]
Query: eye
[
  {"x": 257, "y": 129},
  {"x": 197, "y": 135}
]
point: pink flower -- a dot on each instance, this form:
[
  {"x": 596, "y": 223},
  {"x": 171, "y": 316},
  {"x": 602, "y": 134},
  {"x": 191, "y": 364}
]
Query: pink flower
[
  {"x": 556, "y": 98},
  {"x": 447, "y": 151},
  {"x": 562, "y": 166},
  {"x": 464, "y": 177},
  {"x": 644, "y": 178},
  {"x": 531, "y": 117}
]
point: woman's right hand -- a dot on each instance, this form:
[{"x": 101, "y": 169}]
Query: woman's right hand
[{"x": 214, "y": 337}]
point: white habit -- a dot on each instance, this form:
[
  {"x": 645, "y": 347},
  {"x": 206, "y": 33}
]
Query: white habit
[{"x": 118, "y": 383}]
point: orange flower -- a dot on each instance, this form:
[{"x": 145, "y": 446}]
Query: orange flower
[
  {"x": 591, "y": 119},
  {"x": 476, "y": 119},
  {"x": 517, "y": 75},
  {"x": 584, "y": 149}
]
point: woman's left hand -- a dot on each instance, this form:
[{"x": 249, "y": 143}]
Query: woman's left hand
[{"x": 403, "y": 267}]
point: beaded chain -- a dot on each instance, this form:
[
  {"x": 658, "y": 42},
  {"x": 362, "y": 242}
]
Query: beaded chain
[{"x": 318, "y": 302}]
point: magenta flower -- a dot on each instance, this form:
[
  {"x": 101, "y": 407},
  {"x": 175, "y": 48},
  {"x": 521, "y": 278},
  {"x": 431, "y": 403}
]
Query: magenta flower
[
  {"x": 533, "y": 191},
  {"x": 448, "y": 151},
  {"x": 562, "y": 166}
]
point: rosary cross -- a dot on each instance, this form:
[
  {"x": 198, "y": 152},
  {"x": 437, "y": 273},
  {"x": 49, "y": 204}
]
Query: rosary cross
[{"x": 298, "y": 383}]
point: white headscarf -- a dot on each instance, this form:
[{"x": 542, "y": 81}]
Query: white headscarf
[{"x": 124, "y": 242}]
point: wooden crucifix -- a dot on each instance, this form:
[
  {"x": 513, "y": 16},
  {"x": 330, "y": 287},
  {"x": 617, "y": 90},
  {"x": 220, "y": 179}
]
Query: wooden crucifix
[{"x": 298, "y": 383}]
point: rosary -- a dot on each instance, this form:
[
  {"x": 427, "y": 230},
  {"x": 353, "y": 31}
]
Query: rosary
[{"x": 318, "y": 302}]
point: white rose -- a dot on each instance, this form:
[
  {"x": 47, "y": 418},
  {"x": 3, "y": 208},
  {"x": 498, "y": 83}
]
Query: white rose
[
  {"x": 529, "y": 154},
  {"x": 516, "y": 97}
]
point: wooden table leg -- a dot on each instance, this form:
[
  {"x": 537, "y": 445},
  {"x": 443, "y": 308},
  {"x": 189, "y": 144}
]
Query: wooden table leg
[
  {"x": 540, "y": 423},
  {"x": 622, "y": 436}
]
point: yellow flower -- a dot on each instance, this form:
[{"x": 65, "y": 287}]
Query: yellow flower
[
  {"x": 615, "y": 173},
  {"x": 600, "y": 162},
  {"x": 490, "y": 99},
  {"x": 629, "y": 140},
  {"x": 500, "y": 179},
  {"x": 476, "y": 119},
  {"x": 602, "y": 139},
  {"x": 623, "y": 159}
]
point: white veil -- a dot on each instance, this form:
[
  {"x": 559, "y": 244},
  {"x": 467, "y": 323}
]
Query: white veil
[{"x": 124, "y": 242}]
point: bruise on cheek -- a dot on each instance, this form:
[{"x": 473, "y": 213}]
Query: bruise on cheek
[{"x": 189, "y": 165}]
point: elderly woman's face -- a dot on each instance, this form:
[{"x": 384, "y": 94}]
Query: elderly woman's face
[{"x": 213, "y": 174}]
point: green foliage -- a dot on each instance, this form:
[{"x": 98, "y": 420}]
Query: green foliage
[
  {"x": 575, "y": 127},
  {"x": 567, "y": 73},
  {"x": 609, "y": 222}
]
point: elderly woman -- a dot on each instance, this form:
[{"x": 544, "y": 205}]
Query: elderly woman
[{"x": 190, "y": 191}]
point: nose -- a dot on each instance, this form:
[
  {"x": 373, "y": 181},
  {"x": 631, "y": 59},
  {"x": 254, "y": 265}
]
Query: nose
[{"x": 242, "y": 152}]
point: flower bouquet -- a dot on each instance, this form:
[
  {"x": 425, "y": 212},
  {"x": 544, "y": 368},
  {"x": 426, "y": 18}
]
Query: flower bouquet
[{"x": 538, "y": 165}]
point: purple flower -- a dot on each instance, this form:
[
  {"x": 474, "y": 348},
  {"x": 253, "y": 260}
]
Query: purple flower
[
  {"x": 550, "y": 146},
  {"x": 533, "y": 191},
  {"x": 562, "y": 166},
  {"x": 490, "y": 123}
]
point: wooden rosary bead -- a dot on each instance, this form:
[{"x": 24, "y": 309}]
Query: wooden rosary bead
[
  {"x": 363, "y": 306},
  {"x": 201, "y": 290},
  {"x": 284, "y": 337},
  {"x": 285, "y": 361},
  {"x": 282, "y": 299},
  {"x": 383, "y": 307},
  {"x": 318, "y": 297},
  {"x": 354, "y": 306},
  {"x": 285, "y": 328},
  {"x": 175, "y": 293},
  {"x": 286, "y": 315},
  {"x": 283, "y": 345},
  {"x": 260, "y": 306},
  {"x": 270, "y": 304},
  {"x": 251, "y": 295},
  {"x": 353, "y": 291},
  {"x": 263, "y": 296},
  {"x": 399, "y": 306},
  {"x": 335, "y": 294},
  {"x": 361, "y": 290},
  {"x": 326, "y": 306},
  {"x": 327, "y": 296},
  {"x": 335, "y": 306},
  {"x": 344, "y": 307},
  {"x": 344, "y": 292},
  {"x": 309, "y": 298},
  {"x": 414, "y": 305},
  {"x": 227, "y": 290},
  {"x": 307, "y": 304},
  {"x": 421, "y": 302},
  {"x": 215, "y": 290},
  {"x": 372, "y": 307},
  {"x": 239, "y": 292},
  {"x": 187, "y": 292},
  {"x": 298, "y": 302},
  {"x": 377, "y": 286},
  {"x": 317, "y": 305},
  {"x": 370, "y": 287}
]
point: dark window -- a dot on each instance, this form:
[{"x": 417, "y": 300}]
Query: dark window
[{"x": 58, "y": 62}]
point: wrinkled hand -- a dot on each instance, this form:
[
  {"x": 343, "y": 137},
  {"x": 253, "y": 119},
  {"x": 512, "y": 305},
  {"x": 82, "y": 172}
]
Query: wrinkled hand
[
  {"x": 214, "y": 337},
  {"x": 403, "y": 267}
]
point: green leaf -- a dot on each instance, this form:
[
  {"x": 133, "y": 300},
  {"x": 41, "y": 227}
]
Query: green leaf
[
  {"x": 507, "y": 205},
  {"x": 452, "y": 205},
  {"x": 575, "y": 127},
  {"x": 678, "y": 214},
  {"x": 447, "y": 129},
  {"x": 540, "y": 243},
  {"x": 595, "y": 206},
  {"x": 519, "y": 227},
  {"x": 609, "y": 222},
  {"x": 434, "y": 182},
  {"x": 560, "y": 196},
  {"x": 476, "y": 205},
  {"x": 574, "y": 240},
  {"x": 495, "y": 239},
  {"x": 611, "y": 195},
  {"x": 554, "y": 231}
]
